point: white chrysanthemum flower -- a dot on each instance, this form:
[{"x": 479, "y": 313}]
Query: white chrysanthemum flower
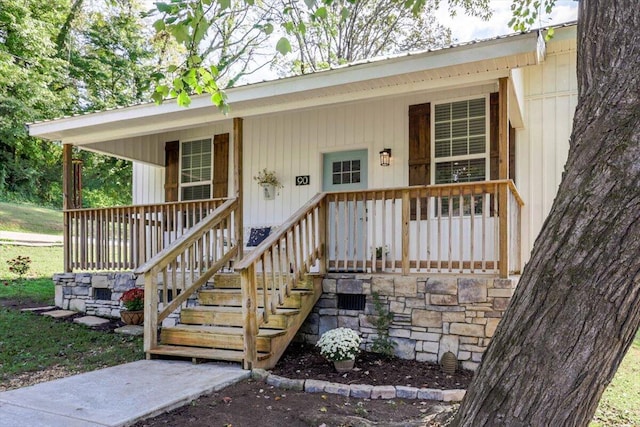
[{"x": 339, "y": 344}]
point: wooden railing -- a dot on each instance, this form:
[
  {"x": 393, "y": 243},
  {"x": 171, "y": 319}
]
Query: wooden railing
[
  {"x": 277, "y": 264},
  {"x": 125, "y": 237},
  {"x": 461, "y": 228},
  {"x": 177, "y": 272}
]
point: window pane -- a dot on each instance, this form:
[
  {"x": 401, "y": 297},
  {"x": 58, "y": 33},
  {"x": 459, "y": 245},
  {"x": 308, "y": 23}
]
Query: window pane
[
  {"x": 346, "y": 178},
  {"x": 346, "y": 166},
  {"x": 443, "y": 130},
  {"x": 337, "y": 166},
  {"x": 476, "y": 126},
  {"x": 459, "y": 128},
  {"x": 443, "y": 149},
  {"x": 355, "y": 165},
  {"x": 459, "y": 147},
  {"x": 459, "y": 110},
  {"x": 356, "y": 177},
  {"x": 443, "y": 112}
]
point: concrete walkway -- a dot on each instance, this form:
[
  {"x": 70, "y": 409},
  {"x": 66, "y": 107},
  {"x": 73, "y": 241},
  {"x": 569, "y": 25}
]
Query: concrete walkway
[
  {"x": 29, "y": 239},
  {"x": 117, "y": 396}
]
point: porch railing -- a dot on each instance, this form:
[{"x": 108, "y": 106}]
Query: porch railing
[
  {"x": 177, "y": 272},
  {"x": 282, "y": 259},
  {"x": 125, "y": 237},
  {"x": 461, "y": 228}
]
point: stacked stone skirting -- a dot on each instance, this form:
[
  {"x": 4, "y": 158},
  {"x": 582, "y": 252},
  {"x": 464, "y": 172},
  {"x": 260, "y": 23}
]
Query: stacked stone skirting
[
  {"x": 77, "y": 292},
  {"x": 431, "y": 314},
  {"x": 360, "y": 391}
]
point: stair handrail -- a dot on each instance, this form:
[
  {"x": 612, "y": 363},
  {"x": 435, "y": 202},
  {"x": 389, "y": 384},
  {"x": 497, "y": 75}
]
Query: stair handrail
[
  {"x": 205, "y": 241},
  {"x": 287, "y": 254}
]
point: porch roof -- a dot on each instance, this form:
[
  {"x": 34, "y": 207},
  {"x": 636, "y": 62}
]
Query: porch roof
[{"x": 470, "y": 63}]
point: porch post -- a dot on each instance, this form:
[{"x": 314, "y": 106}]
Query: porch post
[
  {"x": 503, "y": 174},
  {"x": 237, "y": 183},
  {"x": 67, "y": 201}
]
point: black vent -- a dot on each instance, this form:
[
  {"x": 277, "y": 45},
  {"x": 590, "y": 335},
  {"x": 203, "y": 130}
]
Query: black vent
[
  {"x": 351, "y": 301},
  {"x": 103, "y": 294}
]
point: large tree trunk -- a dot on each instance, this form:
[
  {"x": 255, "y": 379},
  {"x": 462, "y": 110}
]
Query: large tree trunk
[{"x": 577, "y": 306}]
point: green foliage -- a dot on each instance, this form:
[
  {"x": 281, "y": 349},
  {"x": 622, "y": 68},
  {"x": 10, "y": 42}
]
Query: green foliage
[
  {"x": 526, "y": 13},
  {"x": 382, "y": 344},
  {"x": 32, "y": 343},
  {"x": 316, "y": 35},
  {"x": 19, "y": 266}
]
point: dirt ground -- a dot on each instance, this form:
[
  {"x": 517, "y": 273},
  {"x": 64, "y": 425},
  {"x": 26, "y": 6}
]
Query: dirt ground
[{"x": 252, "y": 403}]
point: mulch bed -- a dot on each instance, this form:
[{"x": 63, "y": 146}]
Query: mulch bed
[{"x": 303, "y": 361}]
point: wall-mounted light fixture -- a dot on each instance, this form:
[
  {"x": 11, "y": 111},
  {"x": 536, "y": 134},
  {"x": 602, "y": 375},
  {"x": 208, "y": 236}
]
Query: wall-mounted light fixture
[{"x": 385, "y": 157}]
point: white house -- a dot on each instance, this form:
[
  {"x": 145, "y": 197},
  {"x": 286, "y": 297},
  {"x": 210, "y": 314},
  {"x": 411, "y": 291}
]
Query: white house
[{"x": 423, "y": 178}]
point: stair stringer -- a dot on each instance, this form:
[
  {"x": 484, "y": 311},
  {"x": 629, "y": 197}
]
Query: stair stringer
[{"x": 279, "y": 344}]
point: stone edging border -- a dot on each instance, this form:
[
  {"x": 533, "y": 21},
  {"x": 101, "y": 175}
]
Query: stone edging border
[{"x": 360, "y": 391}]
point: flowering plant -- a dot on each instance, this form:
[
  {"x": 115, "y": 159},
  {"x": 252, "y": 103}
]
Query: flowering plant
[
  {"x": 133, "y": 299},
  {"x": 339, "y": 344},
  {"x": 268, "y": 177}
]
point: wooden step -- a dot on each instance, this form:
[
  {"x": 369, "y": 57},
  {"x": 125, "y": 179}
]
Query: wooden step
[
  {"x": 215, "y": 337},
  {"x": 233, "y": 298},
  {"x": 232, "y": 281},
  {"x": 232, "y": 316},
  {"x": 202, "y": 353}
]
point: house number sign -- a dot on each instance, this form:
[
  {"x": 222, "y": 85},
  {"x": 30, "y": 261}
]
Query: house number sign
[{"x": 302, "y": 180}]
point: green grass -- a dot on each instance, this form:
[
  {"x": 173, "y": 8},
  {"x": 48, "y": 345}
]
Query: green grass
[
  {"x": 45, "y": 261},
  {"x": 30, "y": 219},
  {"x": 620, "y": 403},
  {"x": 29, "y": 342},
  {"x": 37, "y": 290}
]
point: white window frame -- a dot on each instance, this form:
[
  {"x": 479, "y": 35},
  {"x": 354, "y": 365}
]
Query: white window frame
[
  {"x": 182, "y": 185},
  {"x": 485, "y": 154}
]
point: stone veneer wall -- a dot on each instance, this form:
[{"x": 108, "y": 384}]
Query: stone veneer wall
[
  {"x": 431, "y": 314},
  {"x": 76, "y": 291}
]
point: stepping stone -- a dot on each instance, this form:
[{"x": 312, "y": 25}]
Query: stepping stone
[
  {"x": 59, "y": 314},
  {"x": 36, "y": 309},
  {"x": 91, "y": 321},
  {"x": 133, "y": 330}
]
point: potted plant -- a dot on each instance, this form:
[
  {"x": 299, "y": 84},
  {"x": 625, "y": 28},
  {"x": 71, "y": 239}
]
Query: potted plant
[
  {"x": 269, "y": 182},
  {"x": 341, "y": 346},
  {"x": 133, "y": 301}
]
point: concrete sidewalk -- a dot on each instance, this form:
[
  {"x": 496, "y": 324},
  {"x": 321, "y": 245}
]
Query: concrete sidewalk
[
  {"x": 29, "y": 239},
  {"x": 117, "y": 396}
]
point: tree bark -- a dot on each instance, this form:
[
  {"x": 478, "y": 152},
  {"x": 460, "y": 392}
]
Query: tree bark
[{"x": 577, "y": 306}]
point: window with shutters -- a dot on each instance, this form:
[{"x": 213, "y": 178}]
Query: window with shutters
[
  {"x": 459, "y": 151},
  {"x": 195, "y": 169}
]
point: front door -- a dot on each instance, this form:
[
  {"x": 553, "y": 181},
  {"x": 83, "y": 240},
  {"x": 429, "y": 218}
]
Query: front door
[{"x": 346, "y": 171}]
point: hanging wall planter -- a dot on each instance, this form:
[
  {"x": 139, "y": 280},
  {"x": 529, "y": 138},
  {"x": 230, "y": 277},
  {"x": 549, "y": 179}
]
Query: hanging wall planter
[
  {"x": 269, "y": 182},
  {"x": 268, "y": 191}
]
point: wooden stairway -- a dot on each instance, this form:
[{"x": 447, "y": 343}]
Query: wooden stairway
[{"x": 214, "y": 329}]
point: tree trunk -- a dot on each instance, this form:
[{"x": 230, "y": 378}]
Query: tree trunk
[{"x": 577, "y": 306}]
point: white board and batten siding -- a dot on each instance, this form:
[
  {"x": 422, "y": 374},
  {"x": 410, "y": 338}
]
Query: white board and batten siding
[
  {"x": 551, "y": 95},
  {"x": 148, "y": 179},
  {"x": 293, "y": 144}
]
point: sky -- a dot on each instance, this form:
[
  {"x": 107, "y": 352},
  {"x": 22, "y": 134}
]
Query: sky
[{"x": 465, "y": 28}]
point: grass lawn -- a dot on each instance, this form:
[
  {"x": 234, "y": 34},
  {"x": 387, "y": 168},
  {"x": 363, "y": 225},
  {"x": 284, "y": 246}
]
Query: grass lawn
[
  {"x": 620, "y": 403},
  {"x": 29, "y": 342},
  {"x": 30, "y": 219},
  {"x": 45, "y": 261}
]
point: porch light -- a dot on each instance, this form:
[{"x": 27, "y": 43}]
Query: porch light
[{"x": 385, "y": 157}]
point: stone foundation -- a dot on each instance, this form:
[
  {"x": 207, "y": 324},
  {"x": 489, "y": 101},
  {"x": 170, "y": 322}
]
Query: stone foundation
[
  {"x": 81, "y": 292},
  {"x": 431, "y": 314}
]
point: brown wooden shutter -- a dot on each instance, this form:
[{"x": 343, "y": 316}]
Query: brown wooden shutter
[
  {"x": 512, "y": 153},
  {"x": 171, "y": 172},
  {"x": 494, "y": 131},
  {"x": 221, "y": 165},
  {"x": 419, "y": 151}
]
